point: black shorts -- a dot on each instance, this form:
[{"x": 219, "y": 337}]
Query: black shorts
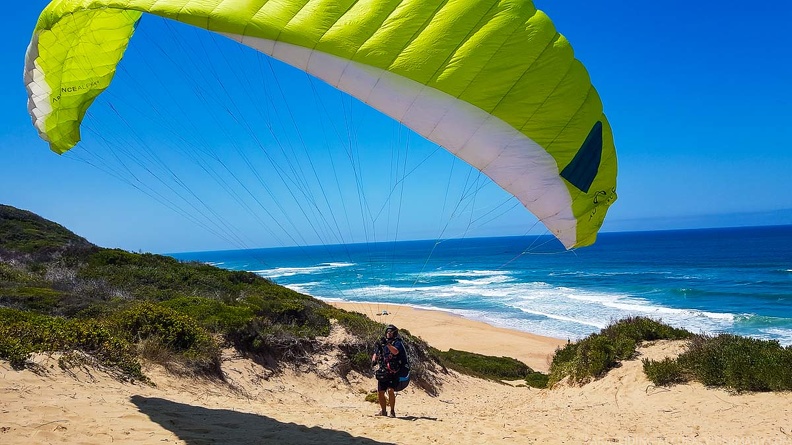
[{"x": 392, "y": 382}]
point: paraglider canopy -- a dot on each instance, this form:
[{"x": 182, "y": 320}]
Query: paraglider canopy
[{"x": 490, "y": 81}]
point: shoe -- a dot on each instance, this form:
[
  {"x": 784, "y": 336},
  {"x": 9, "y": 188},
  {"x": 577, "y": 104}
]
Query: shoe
[{"x": 393, "y": 413}]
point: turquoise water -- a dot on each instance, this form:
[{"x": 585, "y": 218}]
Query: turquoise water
[{"x": 736, "y": 280}]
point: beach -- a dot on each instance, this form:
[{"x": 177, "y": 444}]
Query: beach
[
  {"x": 88, "y": 406},
  {"x": 445, "y": 331}
]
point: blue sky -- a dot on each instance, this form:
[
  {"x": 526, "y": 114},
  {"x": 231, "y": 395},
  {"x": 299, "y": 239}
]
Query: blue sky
[{"x": 697, "y": 93}]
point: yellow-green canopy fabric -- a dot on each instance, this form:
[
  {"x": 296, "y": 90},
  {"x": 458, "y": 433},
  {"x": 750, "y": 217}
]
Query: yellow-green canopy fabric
[{"x": 491, "y": 81}]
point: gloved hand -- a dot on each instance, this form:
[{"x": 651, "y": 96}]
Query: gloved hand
[{"x": 383, "y": 341}]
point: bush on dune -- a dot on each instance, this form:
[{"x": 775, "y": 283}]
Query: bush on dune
[
  {"x": 114, "y": 341},
  {"x": 24, "y": 333},
  {"x": 193, "y": 347},
  {"x": 729, "y": 361},
  {"x": 214, "y": 315},
  {"x": 596, "y": 354},
  {"x": 665, "y": 372},
  {"x": 495, "y": 368}
]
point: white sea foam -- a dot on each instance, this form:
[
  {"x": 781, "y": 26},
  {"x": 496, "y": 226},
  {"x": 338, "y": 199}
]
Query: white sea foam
[
  {"x": 538, "y": 307},
  {"x": 463, "y": 273},
  {"x": 574, "y": 312},
  {"x": 486, "y": 280},
  {"x": 552, "y": 316},
  {"x": 661, "y": 310},
  {"x": 303, "y": 288},
  {"x": 784, "y": 336},
  {"x": 586, "y": 296},
  {"x": 548, "y": 327},
  {"x": 279, "y": 272},
  {"x": 582, "y": 273}
]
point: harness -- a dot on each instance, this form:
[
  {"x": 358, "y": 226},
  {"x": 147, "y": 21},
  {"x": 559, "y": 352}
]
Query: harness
[{"x": 394, "y": 366}]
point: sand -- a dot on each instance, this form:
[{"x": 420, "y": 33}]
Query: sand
[
  {"x": 86, "y": 406},
  {"x": 445, "y": 331}
]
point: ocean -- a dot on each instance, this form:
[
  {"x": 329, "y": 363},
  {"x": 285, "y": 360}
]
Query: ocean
[{"x": 729, "y": 280}]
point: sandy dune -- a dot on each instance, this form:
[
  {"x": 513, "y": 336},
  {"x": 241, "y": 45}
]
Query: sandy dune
[{"x": 89, "y": 407}]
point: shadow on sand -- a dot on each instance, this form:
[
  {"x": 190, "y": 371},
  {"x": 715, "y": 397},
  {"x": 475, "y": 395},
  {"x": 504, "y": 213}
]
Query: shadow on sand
[
  {"x": 414, "y": 418},
  {"x": 202, "y": 426}
]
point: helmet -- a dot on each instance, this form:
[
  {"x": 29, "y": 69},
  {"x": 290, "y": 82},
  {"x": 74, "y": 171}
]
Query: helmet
[{"x": 392, "y": 328}]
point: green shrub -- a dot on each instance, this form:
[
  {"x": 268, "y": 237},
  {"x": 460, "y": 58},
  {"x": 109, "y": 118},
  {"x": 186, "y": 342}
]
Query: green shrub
[
  {"x": 599, "y": 354},
  {"x": 13, "y": 350},
  {"x": 739, "y": 363},
  {"x": 497, "y": 368},
  {"x": 284, "y": 326},
  {"x": 11, "y": 274},
  {"x": 361, "y": 360},
  {"x": 640, "y": 329},
  {"x": 212, "y": 314},
  {"x": 27, "y": 232},
  {"x": 42, "y": 299},
  {"x": 596, "y": 354},
  {"x": 665, "y": 372},
  {"x": 23, "y": 333},
  {"x": 537, "y": 379},
  {"x": 292, "y": 309},
  {"x": 179, "y": 333},
  {"x": 37, "y": 268}
]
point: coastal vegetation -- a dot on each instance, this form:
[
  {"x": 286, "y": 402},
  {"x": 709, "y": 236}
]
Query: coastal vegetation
[
  {"x": 111, "y": 308},
  {"x": 730, "y": 361},
  {"x": 496, "y": 368},
  {"x": 593, "y": 356},
  {"x": 60, "y": 293},
  {"x": 727, "y": 361},
  {"x": 489, "y": 367}
]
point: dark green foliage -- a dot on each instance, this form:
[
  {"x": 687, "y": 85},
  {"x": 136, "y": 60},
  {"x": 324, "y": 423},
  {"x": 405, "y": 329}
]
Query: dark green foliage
[
  {"x": 11, "y": 274},
  {"x": 176, "y": 332},
  {"x": 284, "y": 325},
  {"x": 303, "y": 314},
  {"x": 144, "y": 320},
  {"x": 161, "y": 308},
  {"x": 24, "y": 333},
  {"x": 665, "y": 372},
  {"x": 496, "y": 368},
  {"x": 361, "y": 361},
  {"x": 738, "y": 363},
  {"x": 537, "y": 379},
  {"x": 42, "y": 299},
  {"x": 214, "y": 315},
  {"x": 596, "y": 354},
  {"x": 640, "y": 329},
  {"x": 24, "y": 231},
  {"x": 266, "y": 340}
]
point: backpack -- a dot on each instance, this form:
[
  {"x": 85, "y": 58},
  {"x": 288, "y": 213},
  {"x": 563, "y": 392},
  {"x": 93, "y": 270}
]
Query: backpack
[{"x": 395, "y": 368}]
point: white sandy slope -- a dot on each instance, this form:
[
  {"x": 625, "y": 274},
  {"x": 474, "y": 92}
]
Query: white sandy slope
[{"x": 89, "y": 407}]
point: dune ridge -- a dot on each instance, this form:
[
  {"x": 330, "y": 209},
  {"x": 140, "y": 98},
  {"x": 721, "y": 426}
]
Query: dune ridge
[{"x": 304, "y": 406}]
